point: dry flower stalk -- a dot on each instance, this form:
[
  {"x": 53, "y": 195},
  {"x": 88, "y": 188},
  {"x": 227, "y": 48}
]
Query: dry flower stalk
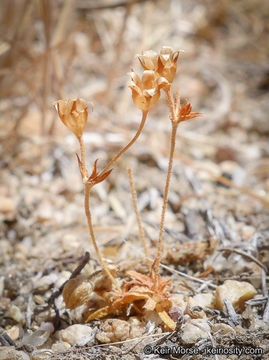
[
  {"x": 141, "y": 292},
  {"x": 138, "y": 218}
]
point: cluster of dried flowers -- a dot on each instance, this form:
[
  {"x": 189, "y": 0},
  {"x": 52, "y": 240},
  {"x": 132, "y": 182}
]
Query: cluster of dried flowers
[{"x": 141, "y": 293}]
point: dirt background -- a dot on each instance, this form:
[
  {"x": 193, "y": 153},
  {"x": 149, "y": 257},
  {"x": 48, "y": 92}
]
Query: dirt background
[{"x": 52, "y": 50}]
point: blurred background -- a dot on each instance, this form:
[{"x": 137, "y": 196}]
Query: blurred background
[
  {"x": 55, "y": 49},
  {"x": 59, "y": 49}
]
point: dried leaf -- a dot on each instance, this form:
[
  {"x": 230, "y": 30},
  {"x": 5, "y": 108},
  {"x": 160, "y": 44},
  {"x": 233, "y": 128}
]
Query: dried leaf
[{"x": 77, "y": 292}]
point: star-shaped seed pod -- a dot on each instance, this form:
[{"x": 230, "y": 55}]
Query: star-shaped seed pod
[
  {"x": 74, "y": 114},
  {"x": 95, "y": 177},
  {"x": 146, "y": 91},
  {"x": 184, "y": 113}
]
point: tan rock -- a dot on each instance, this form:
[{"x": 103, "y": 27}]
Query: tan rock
[
  {"x": 223, "y": 329},
  {"x": 7, "y": 205},
  {"x": 13, "y": 332},
  {"x": 76, "y": 334},
  {"x": 15, "y": 313},
  {"x": 194, "y": 314},
  {"x": 236, "y": 292},
  {"x": 137, "y": 328},
  {"x": 113, "y": 330},
  {"x": 178, "y": 300},
  {"x": 206, "y": 300},
  {"x": 2, "y": 285},
  {"x": 195, "y": 329},
  {"x": 60, "y": 346},
  {"x": 9, "y": 353}
]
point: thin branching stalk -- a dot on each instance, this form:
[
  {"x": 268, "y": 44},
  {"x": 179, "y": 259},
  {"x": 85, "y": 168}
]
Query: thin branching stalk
[
  {"x": 171, "y": 104},
  {"x": 89, "y": 219},
  {"x": 138, "y": 218},
  {"x": 115, "y": 158},
  {"x": 88, "y": 188}
]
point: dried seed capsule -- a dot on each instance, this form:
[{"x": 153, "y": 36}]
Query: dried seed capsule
[
  {"x": 167, "y": 65},
  {"x": 74, "y": 114},
  {"x": 163, "y": 64},
  {"x": 149, "y": 60},
  {"x": 146, "y": 91}
]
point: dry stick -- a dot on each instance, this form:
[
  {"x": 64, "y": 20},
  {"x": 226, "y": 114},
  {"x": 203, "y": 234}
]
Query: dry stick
[
  {"x": 138, "y": 218},
  {"x": 89, "y": 218},
  {"x": 46, "y": 17},
  {"x": 87, "y": 7},
  {"x": 115, "y": 158},
  {"x": 166, "y": 190},
  {"x": 223, "y": 179},
  {"x": 244, "y": 254}
]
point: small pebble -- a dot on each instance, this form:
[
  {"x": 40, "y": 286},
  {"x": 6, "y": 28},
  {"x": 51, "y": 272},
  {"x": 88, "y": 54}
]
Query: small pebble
[
  {"x": 195, "y": 329},
  {"x": 15, "y": 313},
  {"x": 7, "y": 205},
  {"x": 61, "y": 346},
  {"x": 223, "y": 329},
  {"x": 113, "y": 330},
  {"x": 236, "y": 292},
  {"x": 76, "y": 334},
  {"x": 13, "y": 332}
]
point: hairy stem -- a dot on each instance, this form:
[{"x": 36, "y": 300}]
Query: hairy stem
[
  {"x": 82, "y": 152},
  {"x": 165, "y": 198},
  {"x": 89, "y": 218},
  {"x": 172, "y": 108},
  {"x": 115, "y": 158},
  {"x": 138, "y": 218}
]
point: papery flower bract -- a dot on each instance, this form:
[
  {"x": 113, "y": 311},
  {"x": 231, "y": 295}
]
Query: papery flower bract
[
  {"x": 167, "y": 65},
  {"x": 146, "y": 91},
  {"x": 74, "y": 114},
  {"x": 164, "y": 63},
  {"x": 149, "y": 60}
]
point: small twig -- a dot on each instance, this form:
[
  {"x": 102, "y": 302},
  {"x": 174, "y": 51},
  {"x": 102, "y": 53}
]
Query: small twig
[
  {"x": 248, "y": 256},
  {"x": 192, "y": 278},
  {"x": 257, "y": 302},
  {"x": 138, "y": 218},
  {"x": 75, "y": 273},
  {"x": 235, "y": 318},
  {"x": 89, "y": 7},
  {"x": 29, "y": 311},
  {"x": 6, "y": 340},
  {"x": 129, "y": 340},
  {"x": 266, "y": 311},
  {"x": 58, "y": 292},
  {"x": 263, "y": 281},
  {"x": 133, "y": 346}
]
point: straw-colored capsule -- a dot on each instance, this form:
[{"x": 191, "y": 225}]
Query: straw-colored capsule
[{"x": 74, "y": 114}]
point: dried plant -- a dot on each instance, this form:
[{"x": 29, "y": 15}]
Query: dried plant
[{"x": 142, "y": 292}]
